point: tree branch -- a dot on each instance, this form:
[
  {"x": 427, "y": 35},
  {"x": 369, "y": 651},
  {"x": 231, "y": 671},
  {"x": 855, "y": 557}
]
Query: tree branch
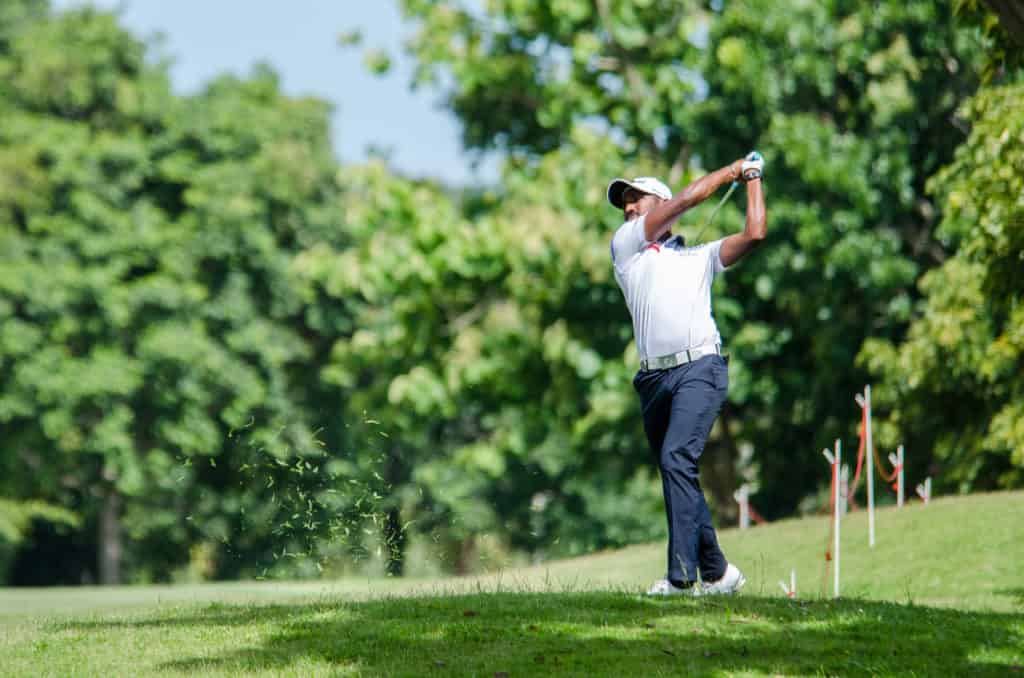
[{"x": 1011, "y": 16}]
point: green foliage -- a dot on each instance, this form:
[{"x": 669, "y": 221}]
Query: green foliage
[
  {"x": 527, "y": 73},
  {"x": 16, "y": 518},
  {"x": 955, "y": 384},
  {"x": 982, "y": 189},
  {"x": 852, "y": 106},
  {"x": 146, "y": 302},
  {"x": 377, "y": 61},
  {"x": 1004, "y": 53}
]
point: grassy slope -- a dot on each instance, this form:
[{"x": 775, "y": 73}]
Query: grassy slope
[{"x": 956, "y": 553}]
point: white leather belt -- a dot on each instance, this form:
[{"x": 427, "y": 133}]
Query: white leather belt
[{"x": 681, "y": 358}]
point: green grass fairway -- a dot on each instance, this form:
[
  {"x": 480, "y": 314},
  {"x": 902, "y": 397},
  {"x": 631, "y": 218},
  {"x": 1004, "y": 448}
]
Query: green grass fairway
[{"x": 942, "y": 593}]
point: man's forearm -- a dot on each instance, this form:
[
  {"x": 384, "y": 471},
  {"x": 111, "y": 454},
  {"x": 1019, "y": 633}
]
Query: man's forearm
[
  {"x": 664, "y": 215},
  {"x": 703, "y": 188},
  {"x": 756, "y": 226},
  {"x": 735, "y": 247}
]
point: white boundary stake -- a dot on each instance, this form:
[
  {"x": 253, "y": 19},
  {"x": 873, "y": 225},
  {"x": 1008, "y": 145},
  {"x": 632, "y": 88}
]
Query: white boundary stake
[
  {"x": 900, "y": 454},
  {"x": 742, "y": 496},
  {"x": 790, "y": 590},
  {"x": 869, "y": 452},
  {"x": 897, "y": 461},
  {"x": 844, "y": 485},
  {"x": 924, "y": 490},
  {"x": 834, "y": 461}
]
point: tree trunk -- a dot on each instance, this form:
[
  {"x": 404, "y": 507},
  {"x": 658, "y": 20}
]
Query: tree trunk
[
  {"x": 394, "y": 543},
  {"x": 1011, "y": 17},
  {"x": 395, "y": 540},
  {"x": 466, "y": 557},
  {"x": 110, "y": 545},
  {"x": 719, "y": 470}
]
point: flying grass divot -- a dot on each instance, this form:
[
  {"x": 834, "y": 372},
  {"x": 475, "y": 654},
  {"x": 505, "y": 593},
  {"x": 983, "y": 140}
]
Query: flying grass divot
[{"x": 310, "y": 511}]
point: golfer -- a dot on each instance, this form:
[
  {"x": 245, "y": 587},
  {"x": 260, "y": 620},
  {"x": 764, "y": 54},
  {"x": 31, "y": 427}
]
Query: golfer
[{"x": 683, "y": 377}]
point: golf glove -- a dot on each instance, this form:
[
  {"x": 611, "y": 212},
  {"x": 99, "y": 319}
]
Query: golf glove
[{"x": 753, "y": 166}]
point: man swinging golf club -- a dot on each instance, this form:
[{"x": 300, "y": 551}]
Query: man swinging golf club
[{"x": 683, "y": 377}]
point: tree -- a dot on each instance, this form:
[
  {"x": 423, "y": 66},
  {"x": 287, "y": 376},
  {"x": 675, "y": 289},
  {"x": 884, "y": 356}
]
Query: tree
[
  {"x": 854, "y": 105},
  {"x": 953, "y": 389},
  {"x": 148, "y": 307},
  {"x": 16, "y": 519},
  {"x": 525, "y": 74},
  {"x": 1001, "y": 24}
]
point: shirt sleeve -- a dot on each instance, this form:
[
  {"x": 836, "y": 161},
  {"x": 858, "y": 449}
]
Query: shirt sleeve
[
  {"x": 628, "y": 241},
  {"x": 715, "y": 255}
]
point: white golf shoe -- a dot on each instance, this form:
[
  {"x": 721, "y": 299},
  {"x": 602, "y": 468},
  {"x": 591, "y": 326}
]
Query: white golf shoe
[
  {"x": 663, "y": 587},
  {"x": 731, "y": 582}
]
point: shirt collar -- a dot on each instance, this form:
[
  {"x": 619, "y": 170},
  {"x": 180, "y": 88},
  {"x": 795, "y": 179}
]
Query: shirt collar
[{"x": 676, "y": 241}]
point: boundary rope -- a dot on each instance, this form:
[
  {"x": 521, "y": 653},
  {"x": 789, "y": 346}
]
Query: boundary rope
[{"x": 861, "y": 447}]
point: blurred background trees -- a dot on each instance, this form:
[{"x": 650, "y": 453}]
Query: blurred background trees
[
  {"x": 222, "y": 354},
  {"x": 954, "y": 386},
  {"x": 146, "y": 302}
]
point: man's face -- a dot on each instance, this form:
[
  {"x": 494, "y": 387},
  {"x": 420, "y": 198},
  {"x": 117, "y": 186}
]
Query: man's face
[{"x": 635, "y": 203}]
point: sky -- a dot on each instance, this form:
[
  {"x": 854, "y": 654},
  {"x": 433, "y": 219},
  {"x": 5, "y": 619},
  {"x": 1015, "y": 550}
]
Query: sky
[{"x": 299, "y": 39}]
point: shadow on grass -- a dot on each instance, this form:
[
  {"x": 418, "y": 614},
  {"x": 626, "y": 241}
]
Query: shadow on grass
[
  {"x": 1017, "y": 594},
  {"x": 604, "y": 634}
]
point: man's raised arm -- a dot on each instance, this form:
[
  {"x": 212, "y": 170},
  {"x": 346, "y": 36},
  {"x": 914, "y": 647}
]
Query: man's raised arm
[
  {"x": 755, "y": 229},
  {"x": 661, "y": 218}
]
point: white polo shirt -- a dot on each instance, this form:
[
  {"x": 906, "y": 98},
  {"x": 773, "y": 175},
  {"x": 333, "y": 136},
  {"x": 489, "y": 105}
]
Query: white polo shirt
[{"x": 667, "y": 287}]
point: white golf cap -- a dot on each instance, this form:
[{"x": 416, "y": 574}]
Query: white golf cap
[{"x": 643, "y": 184}]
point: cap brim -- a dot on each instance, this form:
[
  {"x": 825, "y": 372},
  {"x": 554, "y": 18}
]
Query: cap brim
[{"x": 615, "y": 191}]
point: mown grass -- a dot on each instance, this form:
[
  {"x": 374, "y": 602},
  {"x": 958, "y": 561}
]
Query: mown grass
[
  {"x": 596, "y": 634},
  {"x": 941, "y": 594}
]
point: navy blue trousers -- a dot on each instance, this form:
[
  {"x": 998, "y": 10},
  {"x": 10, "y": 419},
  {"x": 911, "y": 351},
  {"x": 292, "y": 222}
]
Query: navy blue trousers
[{"x": 680, "y": 405}]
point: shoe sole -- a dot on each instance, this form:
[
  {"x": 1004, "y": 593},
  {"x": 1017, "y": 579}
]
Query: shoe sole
[{"x": 684, "y": 592}]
